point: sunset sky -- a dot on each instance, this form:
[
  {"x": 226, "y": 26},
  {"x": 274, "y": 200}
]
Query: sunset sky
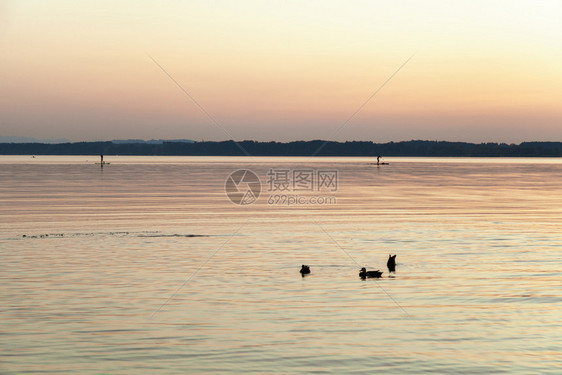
[{"x": 282, "y": 70}]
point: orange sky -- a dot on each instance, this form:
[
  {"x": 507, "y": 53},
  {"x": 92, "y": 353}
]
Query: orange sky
[{"x": 281, "y": 70}]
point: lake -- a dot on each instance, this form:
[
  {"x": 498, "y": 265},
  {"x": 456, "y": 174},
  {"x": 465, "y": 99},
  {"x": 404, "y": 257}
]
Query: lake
[{"x": 145, "y": 265}]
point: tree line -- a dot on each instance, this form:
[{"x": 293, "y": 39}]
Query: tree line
[{"x": 296, "y": 148}]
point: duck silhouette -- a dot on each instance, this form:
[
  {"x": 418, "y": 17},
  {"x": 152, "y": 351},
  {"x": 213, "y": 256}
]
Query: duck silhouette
[
  {"x": 391, "y": 263},
  {"x": 305, "y": 270},
  {"x": 364, "y": 273}
]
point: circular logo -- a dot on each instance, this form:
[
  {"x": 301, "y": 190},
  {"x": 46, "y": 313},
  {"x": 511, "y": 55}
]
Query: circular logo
[{"x": 243, "y": 187}]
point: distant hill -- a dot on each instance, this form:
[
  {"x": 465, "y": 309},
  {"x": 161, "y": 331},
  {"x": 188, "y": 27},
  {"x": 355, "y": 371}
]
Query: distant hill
[
  {"x": 297, "y": 148},
  {"x": 31, "y": 140},
  {"x": 152, "y": 141},
  {"x": 64, "y": 140}
]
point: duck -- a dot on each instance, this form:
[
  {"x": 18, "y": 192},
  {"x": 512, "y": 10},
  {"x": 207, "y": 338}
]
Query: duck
[
  {"x": 391, "y": 263},
  {"x": 364, "y": 273},
  {"x": 305, "y": 270}
]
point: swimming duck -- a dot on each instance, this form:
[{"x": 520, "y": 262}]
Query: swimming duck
[
  {"x": 364, "y": 273},
  {"x": 391, "y": 263},
  {"x": 305, "y": 270}
]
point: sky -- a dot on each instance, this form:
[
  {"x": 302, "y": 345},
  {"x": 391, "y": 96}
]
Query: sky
[{"x": 474, "y": 71}]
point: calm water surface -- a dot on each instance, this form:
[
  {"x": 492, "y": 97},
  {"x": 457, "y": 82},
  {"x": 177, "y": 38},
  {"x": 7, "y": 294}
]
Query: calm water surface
[{"x": 100, "y": 271}]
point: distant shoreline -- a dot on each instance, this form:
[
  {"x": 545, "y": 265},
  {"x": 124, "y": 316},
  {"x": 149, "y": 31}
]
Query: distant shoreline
[{"x": 296, "y": 148}]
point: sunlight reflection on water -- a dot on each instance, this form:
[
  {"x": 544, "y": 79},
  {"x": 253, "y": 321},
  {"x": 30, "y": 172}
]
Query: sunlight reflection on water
[{"x": 477, "y": 287}]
